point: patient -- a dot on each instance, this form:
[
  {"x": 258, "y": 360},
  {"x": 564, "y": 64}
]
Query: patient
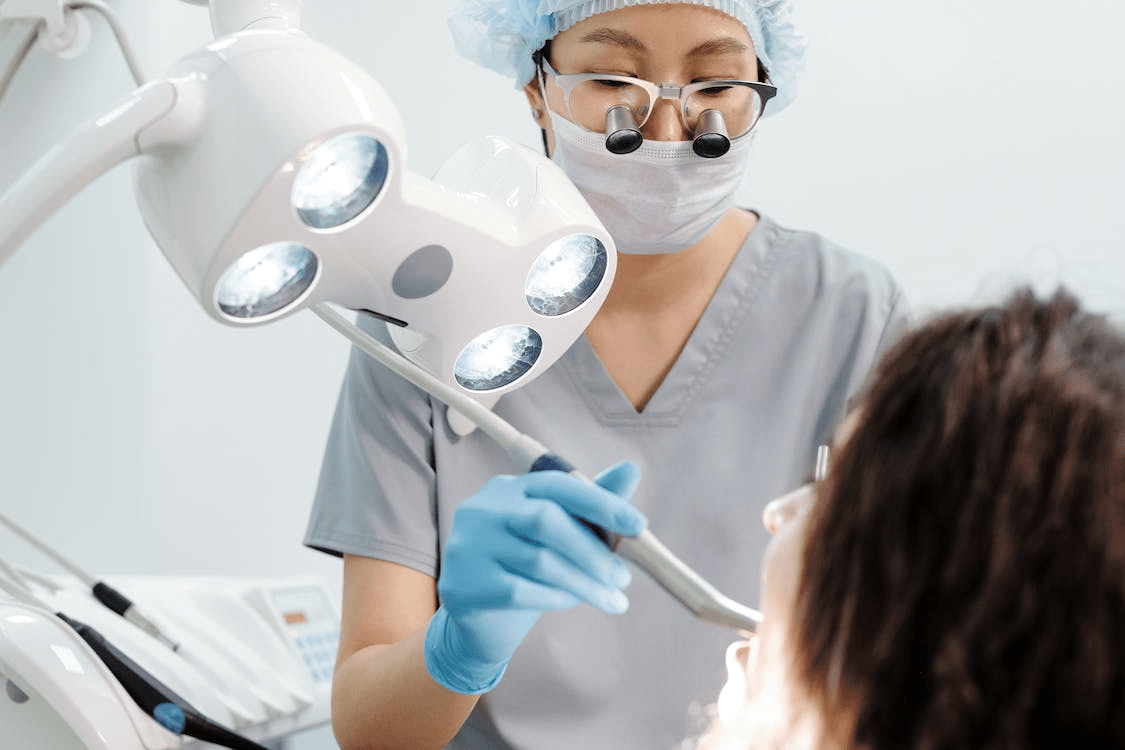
[{"x": 960, "y": 580}]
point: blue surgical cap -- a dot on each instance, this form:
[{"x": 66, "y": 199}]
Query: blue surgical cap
[{"x": 503, "y": 34}]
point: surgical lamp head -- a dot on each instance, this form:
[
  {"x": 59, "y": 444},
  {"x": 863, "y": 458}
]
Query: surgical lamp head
[{"x": 271, "y": 172}]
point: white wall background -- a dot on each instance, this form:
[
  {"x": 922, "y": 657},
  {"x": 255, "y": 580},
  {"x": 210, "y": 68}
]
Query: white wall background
[{"x": 967, "y": 144}]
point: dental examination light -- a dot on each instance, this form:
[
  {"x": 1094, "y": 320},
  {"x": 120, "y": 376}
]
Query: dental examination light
[{"x": 271, "y": 172}]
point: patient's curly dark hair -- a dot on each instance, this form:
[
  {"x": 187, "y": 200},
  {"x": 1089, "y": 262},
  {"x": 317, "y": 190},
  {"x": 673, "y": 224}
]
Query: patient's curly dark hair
[{"x": 964, "y": 576}]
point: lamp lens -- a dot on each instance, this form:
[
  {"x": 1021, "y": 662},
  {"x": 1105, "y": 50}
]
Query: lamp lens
[
  {"x": 339, "y": 180},
  {"x": 497, "y": 358},
  {"x": 565, "y": 274},
  {"x": 266, "y": 280}
]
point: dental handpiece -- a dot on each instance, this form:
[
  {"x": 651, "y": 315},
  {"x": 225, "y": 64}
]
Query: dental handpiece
[
  {"x": 647, "y": 552},
  {"x": 103, "y": 592},
  {"x": 644, "y": 550}
]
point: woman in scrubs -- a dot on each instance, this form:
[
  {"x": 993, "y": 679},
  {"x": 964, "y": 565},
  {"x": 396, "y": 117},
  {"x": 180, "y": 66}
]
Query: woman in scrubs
[
  {"x": 959, "y": 581},
  {"x": 477, "y": 612}
]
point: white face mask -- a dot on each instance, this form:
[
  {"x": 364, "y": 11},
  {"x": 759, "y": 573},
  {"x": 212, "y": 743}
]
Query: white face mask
[{"x": 661, "y": 198}]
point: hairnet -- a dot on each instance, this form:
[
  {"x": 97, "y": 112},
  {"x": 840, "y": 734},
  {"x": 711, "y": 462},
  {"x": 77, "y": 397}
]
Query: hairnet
[{"x": 503, "y": 34}]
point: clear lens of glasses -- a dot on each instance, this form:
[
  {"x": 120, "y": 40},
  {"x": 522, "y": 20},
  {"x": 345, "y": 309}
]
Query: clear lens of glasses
[{"x": 740, "y": 104}]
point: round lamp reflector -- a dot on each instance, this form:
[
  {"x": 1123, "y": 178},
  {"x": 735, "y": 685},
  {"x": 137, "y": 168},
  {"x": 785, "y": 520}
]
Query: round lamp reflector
[
  {"x": 266, "y": 280},
  {"x": 565, "y": 274},
  {"x": 339, "y": 179},
  {"x": 497, "y": 358}
]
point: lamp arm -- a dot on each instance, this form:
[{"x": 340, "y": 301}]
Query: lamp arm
[
  {"x": 91, "y": 151},
  {"x": 645, "y": 550},
  {"x": 523, "y": 448}
]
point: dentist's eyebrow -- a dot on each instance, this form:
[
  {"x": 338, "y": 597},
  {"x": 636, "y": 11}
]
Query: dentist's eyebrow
[
  {"x": 614, "y": 37},
  {"x": 625, "y": 40},
  {"x": 723, "y": 46}
]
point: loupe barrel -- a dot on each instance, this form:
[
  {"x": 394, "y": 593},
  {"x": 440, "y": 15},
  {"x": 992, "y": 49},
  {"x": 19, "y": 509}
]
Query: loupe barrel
[
  {"x": 621, "y": 133},
  {"x": 711, "y": 138}
]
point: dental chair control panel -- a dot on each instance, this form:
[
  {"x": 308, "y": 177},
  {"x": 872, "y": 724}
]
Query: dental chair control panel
[
  {"x": 304, "y": 614},
  {"x": 252, "y": 654}
]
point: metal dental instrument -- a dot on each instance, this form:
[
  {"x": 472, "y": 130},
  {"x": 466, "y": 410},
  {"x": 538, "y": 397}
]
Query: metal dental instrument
[
  {"x": 821, "y": 470},
  {"x": 103, "y": 592},
  {"x": 644, "y": 550},
  {"x": 119, "y": 603},
  {"x": 780, "y": 511},
  {"x": 152, "y": 696}
]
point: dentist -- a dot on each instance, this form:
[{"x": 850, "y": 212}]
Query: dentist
[{"x": 477, "y": 613}]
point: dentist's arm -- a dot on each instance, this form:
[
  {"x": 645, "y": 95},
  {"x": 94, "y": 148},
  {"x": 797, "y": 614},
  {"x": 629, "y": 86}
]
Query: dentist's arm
[
  {"x": 382, "y": 695},
  {"x": 415, "y": 653}
]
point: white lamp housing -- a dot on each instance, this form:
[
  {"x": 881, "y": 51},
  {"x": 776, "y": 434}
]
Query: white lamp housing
[{"x": 272, "y": 174}]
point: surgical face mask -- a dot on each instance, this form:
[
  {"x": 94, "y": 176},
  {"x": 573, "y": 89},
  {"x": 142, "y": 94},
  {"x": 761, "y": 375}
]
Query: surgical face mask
[{"x": 661, "y": 198}]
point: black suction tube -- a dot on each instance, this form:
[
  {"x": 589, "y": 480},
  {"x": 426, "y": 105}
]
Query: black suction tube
[{"x": 155, "y": 698}]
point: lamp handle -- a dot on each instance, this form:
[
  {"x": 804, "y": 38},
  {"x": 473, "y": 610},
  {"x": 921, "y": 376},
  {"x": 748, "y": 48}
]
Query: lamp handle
[{"x": 89, "y": 152}]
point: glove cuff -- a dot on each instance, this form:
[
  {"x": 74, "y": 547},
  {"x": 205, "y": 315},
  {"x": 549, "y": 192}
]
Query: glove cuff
[{"x": 450, "y": 662}]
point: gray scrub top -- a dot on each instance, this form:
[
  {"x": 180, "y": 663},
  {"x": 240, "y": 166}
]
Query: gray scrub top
[{"x": 788, "y": 336}]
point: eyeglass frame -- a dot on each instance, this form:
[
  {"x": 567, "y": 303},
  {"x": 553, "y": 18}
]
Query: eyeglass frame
[{"x": 655, "y": 91}]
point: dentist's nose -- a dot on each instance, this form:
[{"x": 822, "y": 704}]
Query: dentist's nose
[{"x": 664, "y": 124}]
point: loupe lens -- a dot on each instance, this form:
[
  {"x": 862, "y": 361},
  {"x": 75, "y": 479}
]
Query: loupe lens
[
  {"x": 266, "y": 280},
  {"x": 497, "y": 358},
  {"x": 339, "y": 180},
  {"x": 565, "y": 274}
]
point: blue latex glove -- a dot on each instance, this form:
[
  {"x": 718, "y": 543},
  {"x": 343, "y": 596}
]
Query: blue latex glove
[{"x": 516, "y": 551}]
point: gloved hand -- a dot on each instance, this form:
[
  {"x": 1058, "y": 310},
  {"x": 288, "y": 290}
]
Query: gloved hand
[{"x": 515, "y": 551}]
